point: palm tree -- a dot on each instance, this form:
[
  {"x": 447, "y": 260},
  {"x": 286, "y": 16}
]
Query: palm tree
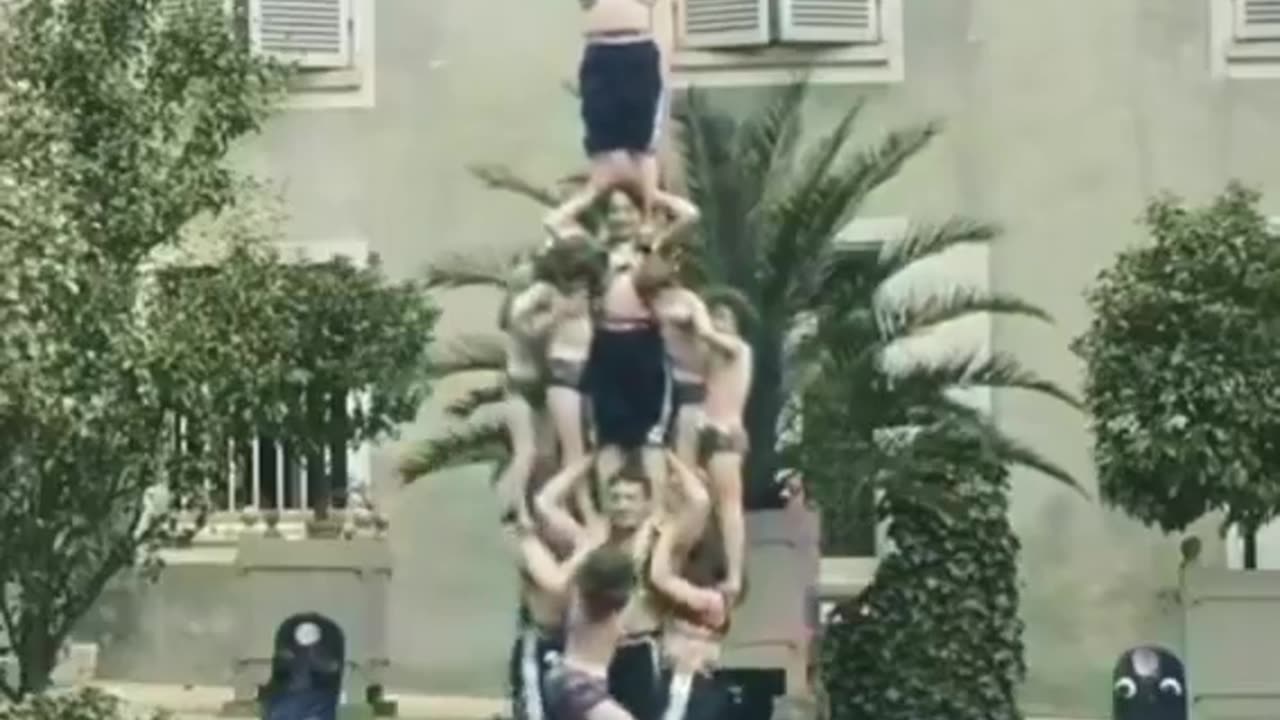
[
  {"x": 773, "y": 209},
  {"x": 773, "y": 212}
]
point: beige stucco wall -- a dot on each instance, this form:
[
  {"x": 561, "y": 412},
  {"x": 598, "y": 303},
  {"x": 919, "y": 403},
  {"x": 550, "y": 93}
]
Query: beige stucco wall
[{"x": 1062, "y": 117}]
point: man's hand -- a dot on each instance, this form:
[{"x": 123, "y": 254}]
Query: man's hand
[{"x": 710, "y": 606}]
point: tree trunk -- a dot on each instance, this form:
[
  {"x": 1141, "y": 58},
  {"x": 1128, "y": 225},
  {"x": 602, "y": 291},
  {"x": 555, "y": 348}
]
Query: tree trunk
[
  {"x": 1250, "y": 538},
  {"x": 763, "y": 410},
  {"x": 37, "y": 656},
  {"x": 319, "y": 487}
]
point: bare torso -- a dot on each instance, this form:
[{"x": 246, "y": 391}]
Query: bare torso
[
  {"x": 675, "y": 308},
  {"x": 526, "y": 334},
  {"x": 614, "y": 17},
  {"x": 546, "y": 609},
  {"x": 622, "y": 303},
  {"x": 728, "y": 384},
  {"x": 571, "y": 333}
]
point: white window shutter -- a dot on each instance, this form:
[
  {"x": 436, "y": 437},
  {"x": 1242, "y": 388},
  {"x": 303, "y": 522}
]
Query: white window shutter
[
  {"x": 1257, "y": 19},
  {"x": 311, "y": 33},
  {"x": 829, "y": 21},
  {"x": 712, "y": 24}
]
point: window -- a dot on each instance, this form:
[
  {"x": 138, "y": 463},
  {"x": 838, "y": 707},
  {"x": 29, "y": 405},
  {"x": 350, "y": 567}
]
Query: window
[
  {"x": 753, "y": 42},
  {"x": 330, "y": 42},
  {"x": 1245, "y": 38}
]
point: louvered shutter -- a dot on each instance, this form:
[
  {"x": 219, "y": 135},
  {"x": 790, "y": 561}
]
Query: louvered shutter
[
  {"x": 711, "y": 24},
  {"x": 829, "y": 21},
  {"x": 1257, "y": 19},
  {"x": 311, "y": 33}
]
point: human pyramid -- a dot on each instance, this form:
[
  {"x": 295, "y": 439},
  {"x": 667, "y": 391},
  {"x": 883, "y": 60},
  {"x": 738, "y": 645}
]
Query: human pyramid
[{"x": 630, "y": 541}]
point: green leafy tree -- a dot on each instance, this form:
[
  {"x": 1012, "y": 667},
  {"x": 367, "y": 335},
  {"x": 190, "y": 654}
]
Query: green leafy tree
[
  {"x": 115, "y": 119},
  {"x": 1182, "y": 383},
  {"x": 281, "y": 349},
  {"x": 937, "y": 633}
]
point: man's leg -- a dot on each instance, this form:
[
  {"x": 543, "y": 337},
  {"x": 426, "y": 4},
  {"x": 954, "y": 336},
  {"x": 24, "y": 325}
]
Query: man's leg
[
  {"x": 725, "y": 469},
  {"x": 512, "y": 484},
  {"x": 688, "y": 425},
  {"x": 608, "y": 170}
]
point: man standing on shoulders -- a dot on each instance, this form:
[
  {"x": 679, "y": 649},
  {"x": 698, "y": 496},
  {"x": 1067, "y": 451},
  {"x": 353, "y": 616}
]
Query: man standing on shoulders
[{"x": 723, "y": 441}]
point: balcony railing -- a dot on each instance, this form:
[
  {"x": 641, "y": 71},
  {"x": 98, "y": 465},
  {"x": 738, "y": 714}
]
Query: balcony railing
[{"x": 267, "y": 480}]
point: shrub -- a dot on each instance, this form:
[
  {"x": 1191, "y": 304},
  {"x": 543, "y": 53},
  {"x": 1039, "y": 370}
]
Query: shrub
[
  {"x": 937, "y": 634},
  {"x": 83, "y": 704}
]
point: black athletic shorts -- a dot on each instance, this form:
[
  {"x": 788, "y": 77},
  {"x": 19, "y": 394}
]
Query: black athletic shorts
[{"x": 621, "y": 89}]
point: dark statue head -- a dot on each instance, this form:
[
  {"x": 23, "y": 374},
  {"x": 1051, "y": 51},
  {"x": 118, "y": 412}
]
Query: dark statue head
[{"x": 1149, "y": 683}]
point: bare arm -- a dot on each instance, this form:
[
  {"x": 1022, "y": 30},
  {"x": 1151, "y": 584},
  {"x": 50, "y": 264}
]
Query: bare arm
[
  {"x": 684, "y": 215},
  {"x": 663, "y": 575},
  {"x": 723, "y": 343},
  {"x": 550, "y": 574},
  {"x": 550, "y": 502},
  {"x": 530, "y": 311},
  {"x": 691, "y": 519}
]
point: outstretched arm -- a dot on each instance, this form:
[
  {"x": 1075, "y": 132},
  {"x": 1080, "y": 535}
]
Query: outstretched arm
[
  {"x": 550, "y": 502},
  {"x": 684, "y": 215},
  {"x": 673, "y": 543},
  {"x": 550, "y": 574}
]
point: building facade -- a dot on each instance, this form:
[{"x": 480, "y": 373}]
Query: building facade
[{"x": 1061, "y": 120}]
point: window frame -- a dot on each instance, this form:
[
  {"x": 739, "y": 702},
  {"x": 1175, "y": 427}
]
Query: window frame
[
  {"x": 882, "y": 62},
  {"x": 335, "y": 88},
  {"x": 1234, "y": 58}
]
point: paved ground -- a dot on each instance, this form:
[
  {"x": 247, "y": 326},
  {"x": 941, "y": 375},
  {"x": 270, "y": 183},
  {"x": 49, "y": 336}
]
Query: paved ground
[{"x": 204, "y": 703}]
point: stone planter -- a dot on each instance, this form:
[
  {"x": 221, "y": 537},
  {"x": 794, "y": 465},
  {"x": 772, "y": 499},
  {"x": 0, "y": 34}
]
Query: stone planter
[
  {"x": 344, "y": 580},
  {"x": 1232, "y": 635},
  {"x": 772, "y": 630}
]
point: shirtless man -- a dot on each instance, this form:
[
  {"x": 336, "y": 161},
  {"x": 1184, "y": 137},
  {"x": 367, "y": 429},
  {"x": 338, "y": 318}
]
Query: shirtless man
[
  {"x": 578, "y": 687},
  {"x": 569, "y": 277},
  {"x": 626, "y": 377},
  {"x": 546, "y": 579},
  {"x": 679, "y": 311},
  {"x": 525, "y": 329},
  {"x": 621, "y": 88},
  {"x": 723, "y": 440},
  {"x": 688, "y": 563},
  {"x": 633, "y": 674}
]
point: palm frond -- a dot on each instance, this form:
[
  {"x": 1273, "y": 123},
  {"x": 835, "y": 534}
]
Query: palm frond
[
  {"x": 788, "y": 214},
  {"x": 766, "y": 142},
  {"x": 919, "y": 316},
  {"x": 932, "y": 240},
  {"x": 470, "y": 353},
  {"x": 457, "y": 271},
  {"x": 499, "y": 177},
  {"x": 705, "y": 156},
  {"x": 471, "y": 444},
  {"x": 975, "y": 370},
  {"x": 475, "y": 399},
  {"x": 1009, "y": 450},
  {"x": 834, "y": 202}
]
